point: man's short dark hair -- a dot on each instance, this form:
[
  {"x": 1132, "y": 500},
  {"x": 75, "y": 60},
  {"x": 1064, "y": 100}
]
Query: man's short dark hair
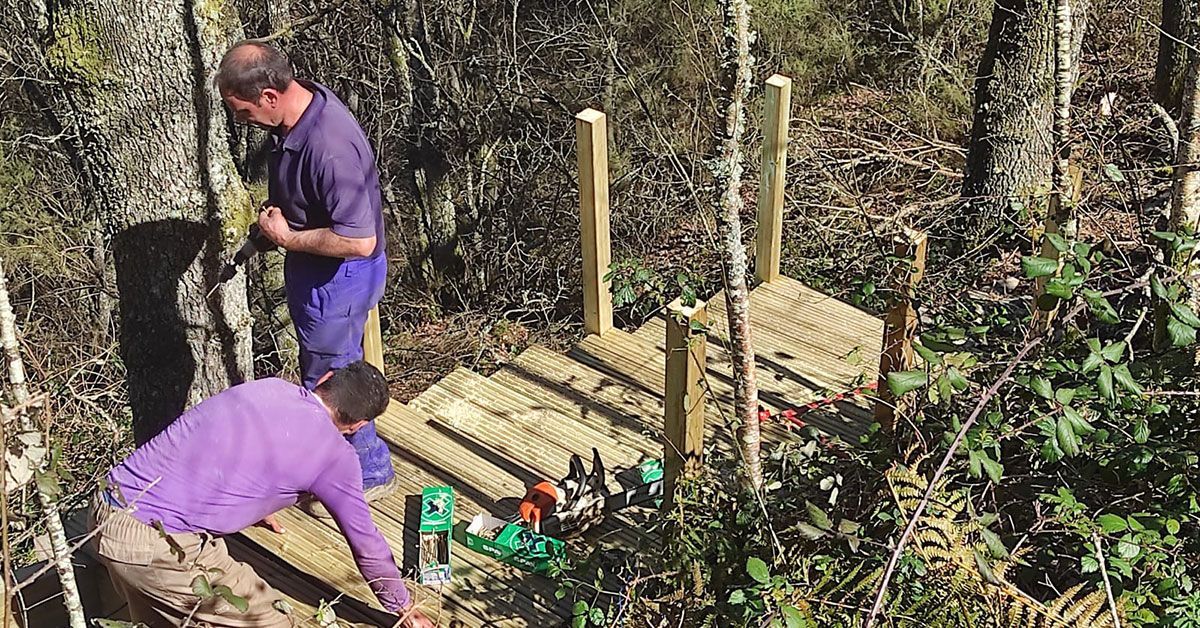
[
  {"x": 355, "y": 392},
  {"x": 249, "y": 67}
]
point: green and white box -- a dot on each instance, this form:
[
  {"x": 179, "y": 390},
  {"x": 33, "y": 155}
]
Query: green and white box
[
  {"x": 513, "y": 545},
  {"x": 437, "y": 524}
]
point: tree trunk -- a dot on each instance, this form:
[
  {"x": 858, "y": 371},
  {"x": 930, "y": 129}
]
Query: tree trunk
[
  {"x": 1011, "y": 153},
  {"x": 1180, "y": 20},
  {"x": 736, "y": 86},
  {"x": 28, "y": 427},
  {"x": 132, "y": 87},
  {"x": 1185, "y": 203}
]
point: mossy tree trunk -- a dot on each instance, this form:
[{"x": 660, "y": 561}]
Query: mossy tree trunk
[
  {"x": 735, "y": 81},
  {"x": 1180, "y": 21},
  {"x": 1011, "y": 151},
  {"x": 130, "y": 86}
]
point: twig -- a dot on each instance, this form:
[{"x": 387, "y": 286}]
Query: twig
[{"x": 1112, "y": 604}]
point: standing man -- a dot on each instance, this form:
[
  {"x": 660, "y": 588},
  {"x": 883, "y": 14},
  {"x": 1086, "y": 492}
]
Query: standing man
[
  {"x": 227, "y": 463},
  {"x": 324, "y": 209}
]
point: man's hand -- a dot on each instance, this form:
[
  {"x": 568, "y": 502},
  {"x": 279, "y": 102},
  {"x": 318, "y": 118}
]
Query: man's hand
[
  {"x": 412, "y": 618},
  {"x": 271, "y": 524},
  {"x": 274, "y": 225}
]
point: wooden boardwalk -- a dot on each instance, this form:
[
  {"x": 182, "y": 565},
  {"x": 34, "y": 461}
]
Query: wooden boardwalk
[{"x": 491, "y": 437}]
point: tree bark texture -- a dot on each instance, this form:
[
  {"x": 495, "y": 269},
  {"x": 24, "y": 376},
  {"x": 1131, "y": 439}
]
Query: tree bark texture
[
  {"x": 1185, "y": 203},
  {"x": 1180, "y": 21},
  {"x": 54, "y": 524},
  {"x": 131, "y": 85},
  {"x": 1011, "y": 151},
  {"x": 728, "y": 174}
]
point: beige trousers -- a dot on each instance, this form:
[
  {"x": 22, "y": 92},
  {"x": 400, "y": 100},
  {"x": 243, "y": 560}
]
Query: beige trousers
[{"x": 156, "y": 581}]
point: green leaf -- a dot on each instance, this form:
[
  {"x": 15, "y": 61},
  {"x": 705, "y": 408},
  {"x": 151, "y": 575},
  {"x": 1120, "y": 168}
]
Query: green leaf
[
  {"x": 737, "y": 597},
  {"x": 1121, "y": 374},
  {"x": 1089, "y": 564},
  {"x": 1157, "y": 287},
  {"x": 994, "y": 544},
  {"x": 1172, "y": 526},
  {"x": 1127, "y": 549},
  {"x": 1180, "y": 334},
  {"x": 1166, "y": 236},
  {"x": 1059, "y": 288},
  {"x": 818, "y": 516},
  {"x": 1058, "y": 242},
  {"x": 994, "y": 469},
  {"x": 985, "y": 570},
  {"x": 1141, "y": 433},
  {"x": 809, "y": 532},
  {"x": 1185, "y": 315},
  {"x": 47, "y": 483},
  {"x": 579, "y": 614},
  {"x": 1041, "y": 386},
  {"x": 228, "y": 595},
  {"x": 904, "y": 382},
  {"x": 927, "y": 354},
  {"x": 1038, "y": 266},
  {"x": 596, "y": 616},
  {"x": 1101, "y": 307},
  {"x": 757, "y": 570},
  {"x": 792, "y": 617},
  {"x": 1113, "y": 173},
  {"x": 201, "y": 587},
  {"x": 1065, "y": 434},
  {"x": 956, "y": 379},
  {"x": 114, "y": 623},
  {"x": 1113, "y": 352},
  {"x": 1064, "y": 395},
  {"x": 1091, "y": 363},
  {"x": 1104, "y": 382},
  {"x": 975, "y": 463},
  {"x": 1111, "y": 523}
]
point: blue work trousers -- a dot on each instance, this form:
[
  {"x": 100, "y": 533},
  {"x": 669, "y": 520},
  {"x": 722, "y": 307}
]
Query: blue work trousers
[{"x": 329, "y": 300}]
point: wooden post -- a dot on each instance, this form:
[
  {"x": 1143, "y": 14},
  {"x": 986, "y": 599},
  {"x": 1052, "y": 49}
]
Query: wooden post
[
  {"x": 373, "y": 340},
  {"x": 592, "y": 153},
  {"x": 684, "y": 397},
  {"x": 901, "y": 324},
  {"x": 1042, "y": 319},
  {"x": 777, "y": 113}
]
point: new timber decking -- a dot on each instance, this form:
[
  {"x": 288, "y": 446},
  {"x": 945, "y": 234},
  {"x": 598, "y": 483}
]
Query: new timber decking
[{"x": 491, "y": 437}]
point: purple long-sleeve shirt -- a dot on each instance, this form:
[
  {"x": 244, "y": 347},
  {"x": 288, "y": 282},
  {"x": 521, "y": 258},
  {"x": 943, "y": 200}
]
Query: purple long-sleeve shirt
[{"x": 246, "y": 453}]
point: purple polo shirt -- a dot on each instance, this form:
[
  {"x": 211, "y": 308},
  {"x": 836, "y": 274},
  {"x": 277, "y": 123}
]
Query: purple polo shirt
[
  {"x": 323, "y": 175},
  {"x": 246, "y": 453}
]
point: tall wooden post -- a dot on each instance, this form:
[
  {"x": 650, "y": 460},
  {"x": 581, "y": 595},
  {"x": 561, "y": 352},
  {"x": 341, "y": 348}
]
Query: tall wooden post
[
  {"x": 771, "y": 182},
  {"x": 373, "y": 340},
  {"x": 592, "y": 152},
  {"x": 901, "y": 324},
  {"x": 684, "y": 397}
]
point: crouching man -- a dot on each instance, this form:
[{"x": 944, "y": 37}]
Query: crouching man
[{"x": 231, "y": 462}]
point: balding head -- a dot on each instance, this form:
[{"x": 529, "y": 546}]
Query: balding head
[{"x": 249, "y": 67}]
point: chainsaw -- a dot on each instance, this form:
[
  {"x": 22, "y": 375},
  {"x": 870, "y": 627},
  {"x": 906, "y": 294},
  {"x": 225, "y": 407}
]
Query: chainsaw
[{"x": 579, "y": 501}]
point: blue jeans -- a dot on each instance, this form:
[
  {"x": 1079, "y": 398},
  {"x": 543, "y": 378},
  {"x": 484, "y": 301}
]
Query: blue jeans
[{"x": 329, "y": 300}]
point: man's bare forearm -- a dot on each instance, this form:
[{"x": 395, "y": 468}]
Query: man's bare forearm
[{"x": 326, "y": 242}]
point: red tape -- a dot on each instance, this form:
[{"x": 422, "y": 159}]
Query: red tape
[{"x": 792, "y": 415}]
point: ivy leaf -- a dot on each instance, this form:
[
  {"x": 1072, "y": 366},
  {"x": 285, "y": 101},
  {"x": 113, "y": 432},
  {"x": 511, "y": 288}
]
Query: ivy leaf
[
  {"x": 1111, "y": 523},
  {"x": 1041, "y": 386},
  {"x": 1113, "y": 173},
  {"x": 757, "y": 570},
  {"x": 1185, "y": 314},
  {"x": 1038, "y": 266},
  {"x": 904, "y": 382},
  {"x": 1105, "y": 382},
  {"x": 1181, "y": 335},
  {"x": 201, "y": 587},
  {"x": 1121, "y": 374}
]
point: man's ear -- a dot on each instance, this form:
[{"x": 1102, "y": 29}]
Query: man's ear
[
  {"x": 354, "y": 427},
  {"x": 269, "y": 97},
  {"x": 324, "y": 377}
]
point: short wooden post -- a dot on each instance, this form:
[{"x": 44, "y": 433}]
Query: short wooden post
[
  {"x": 592, "y": 152},
  {"x": 1042, "y": 319},
  {"x": 901, "y": 324},
  {"x": 684, "y": 397},
  {"x": 373, "y": 340},
  {"x": 777, "y": 113}
]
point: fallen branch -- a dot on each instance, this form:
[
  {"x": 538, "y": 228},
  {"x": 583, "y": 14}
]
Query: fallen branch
[{"x": 1112, "y": 604}]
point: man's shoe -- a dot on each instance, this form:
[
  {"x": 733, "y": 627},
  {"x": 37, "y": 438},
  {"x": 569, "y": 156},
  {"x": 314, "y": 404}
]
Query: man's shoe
[{"x": 314, "y": 507}]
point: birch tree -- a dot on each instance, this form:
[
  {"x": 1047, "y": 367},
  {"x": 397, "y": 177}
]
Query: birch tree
[
  {"x": 25, "y": 457},
  {"x": 735, "y": 81},
  {"x": 128, "y": 83},
  {"x": 1180, "y": 20}
]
